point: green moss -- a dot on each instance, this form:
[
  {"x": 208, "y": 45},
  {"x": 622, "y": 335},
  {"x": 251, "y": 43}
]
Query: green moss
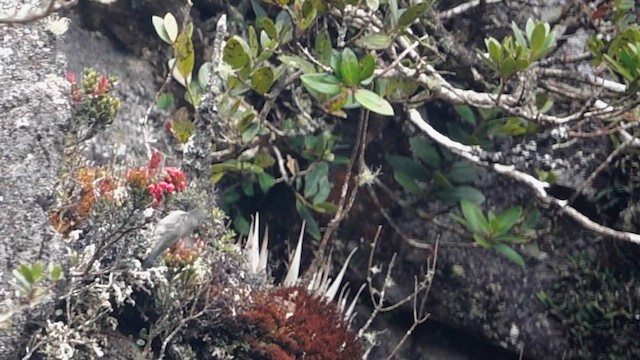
[{"x": 598, "y": 304}]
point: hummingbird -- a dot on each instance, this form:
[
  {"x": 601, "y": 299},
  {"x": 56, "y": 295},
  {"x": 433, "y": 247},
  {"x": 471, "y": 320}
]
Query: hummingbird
[{"x": 172, "y": 228}]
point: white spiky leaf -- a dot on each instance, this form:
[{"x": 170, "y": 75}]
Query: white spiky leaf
[
  {"x": 294, "y": 265},
  {"x": 333, "y": 289},
  {"x": 252, "y": 254},
  {"x": 264, "y": 252},
  {"x": 347, "y": 314}
]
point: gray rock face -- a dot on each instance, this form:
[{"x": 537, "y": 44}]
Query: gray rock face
[
  {"x": 122, "y": 140},
  {"x": 34, "y": 111}
]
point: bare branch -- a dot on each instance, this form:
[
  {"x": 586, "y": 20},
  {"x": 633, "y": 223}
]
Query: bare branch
[
  {"x": 462, "y": 8},
  {"x": 476, "y": 155}
]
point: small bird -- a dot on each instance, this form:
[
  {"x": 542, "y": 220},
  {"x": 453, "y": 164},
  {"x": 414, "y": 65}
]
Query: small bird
[{"x": 172, "y": 228}]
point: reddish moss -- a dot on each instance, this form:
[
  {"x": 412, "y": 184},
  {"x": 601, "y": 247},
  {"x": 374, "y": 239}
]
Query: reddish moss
[
  {"x": 290, "y": 323},
  {"x": 70, "y": 216}
]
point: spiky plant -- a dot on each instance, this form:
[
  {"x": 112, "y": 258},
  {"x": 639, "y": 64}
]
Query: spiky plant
[{"x": 297, "y": 320}]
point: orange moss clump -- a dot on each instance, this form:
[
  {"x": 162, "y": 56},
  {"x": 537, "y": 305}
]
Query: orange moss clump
[
  {"x": 91, "y": 181},
  {"x": 290, "y": 323}
]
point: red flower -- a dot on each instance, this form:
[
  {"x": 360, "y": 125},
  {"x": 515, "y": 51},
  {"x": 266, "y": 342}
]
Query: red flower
[
  {"x": 155, "y": 163},
  {"x": 156, "y": 191},
  {"x": 71, "y": 78},
  {"x": 176, "y": 177},
  {"x": 102, "y": 86}
]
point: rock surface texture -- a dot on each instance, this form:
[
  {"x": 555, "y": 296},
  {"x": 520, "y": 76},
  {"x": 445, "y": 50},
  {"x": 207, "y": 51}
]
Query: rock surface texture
[{"x": 34, "y": 112}]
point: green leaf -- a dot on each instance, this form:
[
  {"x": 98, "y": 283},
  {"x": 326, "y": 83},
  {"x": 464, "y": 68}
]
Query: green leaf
[
  {"x": 412, "y": 14},
  {"x": 165, "y": 101},
  {"x": 367, "y": 66},
  {"x": 323, "y": 47},
  {"x": 531, "y": 219},
  {"x": 295, "y": 61},
  {"x": 325, "y": 208},
  {"x": 258, "y": 10},
  {"x": 619, "y": 68},
  {"x": 269, "y": 27},
  {"x": 425, "y": 151},
  {"x": 158, "y": 24},
  {"x": 253, "y": 41},
  {"x": 466, "y": 113},
  {"x": 530, "y": 25},
  {"x": 241, "y": 224},
  {"x": 378, "y": 41},
  {"x": 26, "y": 271},
  {"x": 37, "y": 270},
  {"x": 23, "y": 280},
  {"x": 250, "y": 132},
  {"x": 407, "y": 182},
  {"x": 194, "y": 94},
  {"x": 508, "y": 218},
  {"x": 323, "y": 83},
  {"x": 262, "y": 79},
  {"x": 442, "y": 183},
  {"x": 248, "y": 189},
  {"x": 236, "y": 52},
  {"x": 266, "y": 182},
  {"x": 284, "y": 27},
  {"x": 467, "y": 193},
  {"x": 315, "y": 173},
  {"x": 475, "y": 218},
  {"x": 462, "y": 172},
  {"x": 334, "y": 62},
  {"x": 312, "y": 225},
  {"x": 495, "y": 50},
  {"x": 480, "y": 240},
  {"x": 507, "y": 68},
  {"x": 514, "y": 239},
  {"x": 538, "y": 37},
  {"x": 324, "y": 189},
  {"x": 408, "y": 166},
  {"x": 204, "y": 74},
  {"x": 522, "y": 64},
  {"x": 232, "y": 195},
  {"x": 393, "y": 7},
  {"x": 373, "y": 102},
  {"x": 518, "y": 34},
  {"x": 55, "y": 273},
  {"x": 171, "y": 27},
  {"x": 509, "y": 253},
  {"x": 183, "y": 50},
  {"x": 349, "y": 68},
  {"x": 309, "y": 16}
]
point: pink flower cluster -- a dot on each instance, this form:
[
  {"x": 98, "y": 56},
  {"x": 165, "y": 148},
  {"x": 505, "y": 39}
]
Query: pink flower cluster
[
  {"x": 102, "y": 86},
  {"x": 158, "y": 190},
  {"x": 176, "y": 177},
  {"x": 172, "y": 182},
  {"x": 75, "y": 92},
  {"x": 157, "y": 179}
]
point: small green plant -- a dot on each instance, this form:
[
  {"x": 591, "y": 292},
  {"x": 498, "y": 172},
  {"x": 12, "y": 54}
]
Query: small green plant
[
  {"x": 94, "y": 105},
  {"x": 430, "y": 172},
  {"x": 345, "y": 87},
  {"x": 311, "y": 186},
  {"x": 30, "y": 278},
  {"x": 396, "y": 22},
  {"x": 517, "y": 54},
  {"x": 182, "y": 69},
  {"x": 595, "y": 300},
  {"x": 496, "y": 231},
  {"x": 621, "y": 54},
  {"x": 492, "y": 123}
]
